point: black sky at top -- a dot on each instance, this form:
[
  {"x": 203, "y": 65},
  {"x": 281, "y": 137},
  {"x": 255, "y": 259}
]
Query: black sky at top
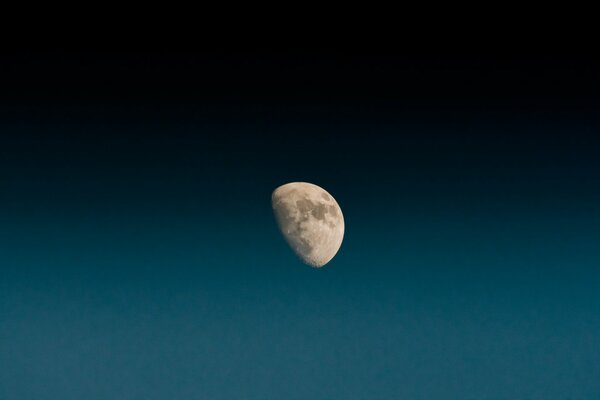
[
  {"x": 376, "y": 117},
  {"x": 163, "y": 80}
]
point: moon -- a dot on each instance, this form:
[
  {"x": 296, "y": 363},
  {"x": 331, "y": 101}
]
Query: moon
[{"x": 310, "y": 220}]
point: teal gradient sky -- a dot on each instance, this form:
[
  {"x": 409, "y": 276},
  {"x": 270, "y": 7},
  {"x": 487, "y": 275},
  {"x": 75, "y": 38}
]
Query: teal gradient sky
[{"x": 139, "y": 257}]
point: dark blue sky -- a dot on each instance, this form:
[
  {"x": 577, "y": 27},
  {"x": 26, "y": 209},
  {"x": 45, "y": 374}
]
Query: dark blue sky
[{"x": 139, "y": 258}]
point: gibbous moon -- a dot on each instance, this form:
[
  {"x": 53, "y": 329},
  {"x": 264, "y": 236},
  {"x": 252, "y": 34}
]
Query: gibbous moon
[{"x": 310, "y": 220}]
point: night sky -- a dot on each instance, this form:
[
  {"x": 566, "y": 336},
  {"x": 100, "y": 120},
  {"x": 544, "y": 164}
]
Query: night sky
[{"x": 140, "y": 259}]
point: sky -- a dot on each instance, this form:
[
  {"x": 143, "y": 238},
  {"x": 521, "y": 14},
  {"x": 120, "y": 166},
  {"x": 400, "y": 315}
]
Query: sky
[{"x": 140, "y": 258}]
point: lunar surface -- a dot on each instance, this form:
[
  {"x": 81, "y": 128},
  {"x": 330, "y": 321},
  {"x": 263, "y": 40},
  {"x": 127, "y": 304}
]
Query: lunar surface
[{"x": 310, "y": 220}]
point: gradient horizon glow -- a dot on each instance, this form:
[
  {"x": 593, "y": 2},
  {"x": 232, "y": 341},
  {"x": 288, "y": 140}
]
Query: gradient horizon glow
[{"x": 139, "y": 257}]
